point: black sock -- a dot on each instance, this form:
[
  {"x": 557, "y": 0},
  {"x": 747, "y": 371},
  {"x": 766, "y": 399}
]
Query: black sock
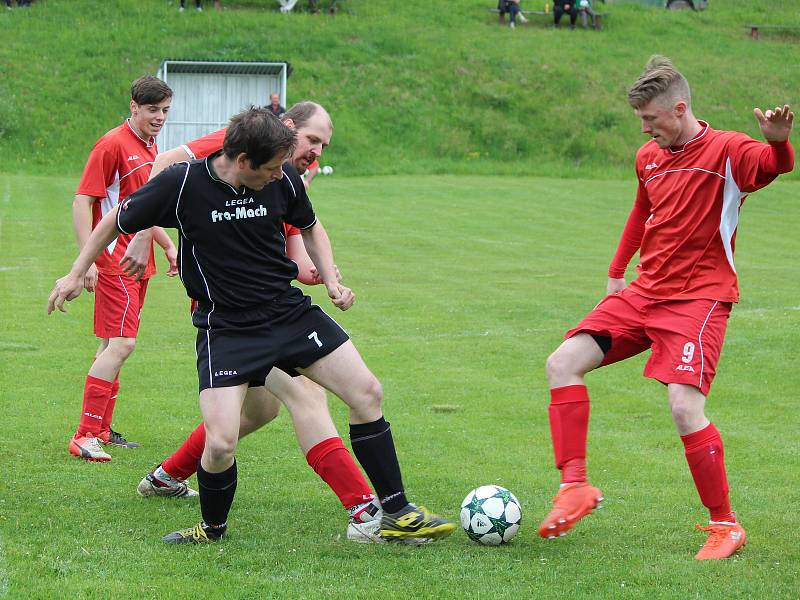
[
  {"x": 216, "y": 495},
  {"x": 374, "y": 448}
]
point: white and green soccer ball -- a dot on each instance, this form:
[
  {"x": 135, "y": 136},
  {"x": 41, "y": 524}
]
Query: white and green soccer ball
[{"x": 491, "y": 515}]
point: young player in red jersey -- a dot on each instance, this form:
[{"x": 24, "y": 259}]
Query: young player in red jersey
[
  {"x": 692, "y": 183},
  {"x": 118, "y": 165},
  {"x": 305, "y": 400}
]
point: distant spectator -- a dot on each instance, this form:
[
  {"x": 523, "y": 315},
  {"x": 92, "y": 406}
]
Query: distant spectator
[
  {"x": 586, "y": 13},
  {"x": 198, "y": 5},
  {"x": 512, "y": 8},
  {"x": 274, "y": 105},
  {"x": 20, "y": 4},
  {"x": 561, "y": 7},
  {"x": 314, "y": 8}
]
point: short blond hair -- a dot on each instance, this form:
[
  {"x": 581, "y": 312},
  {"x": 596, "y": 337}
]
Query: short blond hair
[{"x": 660, "y": 79}]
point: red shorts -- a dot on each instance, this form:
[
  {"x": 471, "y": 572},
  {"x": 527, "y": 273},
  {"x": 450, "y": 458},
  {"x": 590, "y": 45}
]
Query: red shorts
[
  {"x": 685, "y": 336},
  {"x": 118, "y": 302}
]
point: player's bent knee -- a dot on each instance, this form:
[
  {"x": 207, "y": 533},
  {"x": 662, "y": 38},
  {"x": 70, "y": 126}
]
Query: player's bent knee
[
  {"x": 373, "y": 394},
  {"x": 123, "y": 347},
  {"x": 558, "y": 366},
  {"x": 220, "y": 449}
]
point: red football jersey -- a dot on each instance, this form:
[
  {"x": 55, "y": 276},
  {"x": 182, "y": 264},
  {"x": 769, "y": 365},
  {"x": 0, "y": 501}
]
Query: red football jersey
[
  {"x": 687, "y": 211},
  {"x": 118, "y": 165},
  {"x": 206, "y": 145}
]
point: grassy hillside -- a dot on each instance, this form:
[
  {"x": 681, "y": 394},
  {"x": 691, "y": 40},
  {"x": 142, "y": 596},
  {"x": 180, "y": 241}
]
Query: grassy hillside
[{"x": 412, "y": 86}]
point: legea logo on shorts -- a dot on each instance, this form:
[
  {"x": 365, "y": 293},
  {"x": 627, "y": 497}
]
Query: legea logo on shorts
[{"x": 224, "y": 373}]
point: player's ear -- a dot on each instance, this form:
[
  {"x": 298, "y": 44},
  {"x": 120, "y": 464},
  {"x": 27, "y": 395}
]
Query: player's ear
[
  {"x": 242, "y": 160},
  {"x": 289, "y": 123},
  {"x": 680, "y": 108},
  {"x": 134, "y": 107}
]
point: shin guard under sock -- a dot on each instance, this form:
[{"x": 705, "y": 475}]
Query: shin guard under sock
[
  {"x": 374, "y": 448},
  {"x": 706, "y": 457},
  {"x": 569, "y": 426},
  {"x": 216, "y": 494}
]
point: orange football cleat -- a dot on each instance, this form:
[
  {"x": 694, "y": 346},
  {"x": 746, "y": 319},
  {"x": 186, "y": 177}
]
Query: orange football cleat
[
  {"x": 723, "y": 540},
  {"x": 573, "y": 502}
]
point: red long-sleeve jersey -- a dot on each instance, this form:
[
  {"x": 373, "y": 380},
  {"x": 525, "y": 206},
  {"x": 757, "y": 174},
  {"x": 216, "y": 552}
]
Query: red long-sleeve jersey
[{"x": 686, "y": 212}]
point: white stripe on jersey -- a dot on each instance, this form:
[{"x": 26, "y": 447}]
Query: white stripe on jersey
[
  {"x": 189, "y": 152},
  {"x": 108, "y": 203},
  {"x": 135, "y": 169},
  {"x": 649, "y": 179},
  {"x": 729, "y": 219},
  {"x": 291, "y": 185}
]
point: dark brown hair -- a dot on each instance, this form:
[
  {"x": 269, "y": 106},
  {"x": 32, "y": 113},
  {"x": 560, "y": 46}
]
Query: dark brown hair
[
  {"x": 260, "y": 135},
  {"x": 149, "y": 90}
]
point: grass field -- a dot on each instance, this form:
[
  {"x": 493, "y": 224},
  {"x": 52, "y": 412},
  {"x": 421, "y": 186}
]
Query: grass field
[{"x": 464, "y": 286}]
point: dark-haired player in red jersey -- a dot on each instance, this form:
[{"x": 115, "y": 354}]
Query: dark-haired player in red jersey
[
  {"x": 692, "y": 183},
  {"x": 118, "y": 165},
  {"x": 305, "y": 400}
]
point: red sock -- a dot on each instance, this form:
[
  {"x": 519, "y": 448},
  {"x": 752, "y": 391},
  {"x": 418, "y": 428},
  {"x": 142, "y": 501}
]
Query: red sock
[
  {"x": 706, "y": 458},
  {"x": 96, "y": 393},
  {"x": 112, "y": 402},
  {"x": 335, "y": 465},
  {"x": 183, "y": 461},
  {"x": 569, "y": 424}
]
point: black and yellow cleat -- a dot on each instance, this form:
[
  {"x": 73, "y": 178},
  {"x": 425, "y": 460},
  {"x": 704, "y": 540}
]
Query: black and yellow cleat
[
  {"x": 414, "y": 522},
  {"x": 199, "y": 534}
]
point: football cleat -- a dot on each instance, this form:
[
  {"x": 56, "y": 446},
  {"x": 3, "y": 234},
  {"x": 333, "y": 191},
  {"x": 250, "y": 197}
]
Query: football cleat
[
  {"x": 87, "y": 448},
  {"x": 199, "y": 534},
  {"x": 365, "y": 523},
  {"x": 723, "y": 540},
  {"x": 573, "y": 502},
  {"x": 165, "y": 486},
  {"x": 414, "y": 522},
  {"x": 113, "y": 438}
]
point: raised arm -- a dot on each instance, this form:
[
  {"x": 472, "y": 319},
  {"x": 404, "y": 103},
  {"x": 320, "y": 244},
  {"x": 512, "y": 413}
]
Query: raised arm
[{"x": 318, "y": 246}]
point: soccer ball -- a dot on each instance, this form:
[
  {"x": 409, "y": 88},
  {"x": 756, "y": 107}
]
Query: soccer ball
[
  {"x": 491, "y": 515},
  {"x": 327, "y": 170}
]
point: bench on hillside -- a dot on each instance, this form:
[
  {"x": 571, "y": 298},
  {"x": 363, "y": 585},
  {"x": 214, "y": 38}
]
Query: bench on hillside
[
  {"x": 582, "y": 15},
  {"x": 756, "y": 29}
]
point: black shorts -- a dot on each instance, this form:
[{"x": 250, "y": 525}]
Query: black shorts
[{"x": 236, "y": 346}]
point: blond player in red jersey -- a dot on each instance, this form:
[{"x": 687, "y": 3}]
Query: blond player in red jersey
[
  {"x": 118, "y": 165},
  {"x": 692, "y": 183}
]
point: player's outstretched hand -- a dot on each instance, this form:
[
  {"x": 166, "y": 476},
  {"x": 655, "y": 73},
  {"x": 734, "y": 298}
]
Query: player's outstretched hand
[
  {"x": 67, "y": 288},
  {"x": 775, "y": 124},
  {"x": 341, "y": 296}
]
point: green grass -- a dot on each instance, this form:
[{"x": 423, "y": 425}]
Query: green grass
[
  {"x": 413, "y": 86},
  {"x": 464, "y": 286}
]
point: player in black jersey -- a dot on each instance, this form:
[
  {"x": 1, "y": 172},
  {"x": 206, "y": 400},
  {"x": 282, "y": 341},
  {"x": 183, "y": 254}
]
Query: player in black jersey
[{"x": 229, "y": 210}]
